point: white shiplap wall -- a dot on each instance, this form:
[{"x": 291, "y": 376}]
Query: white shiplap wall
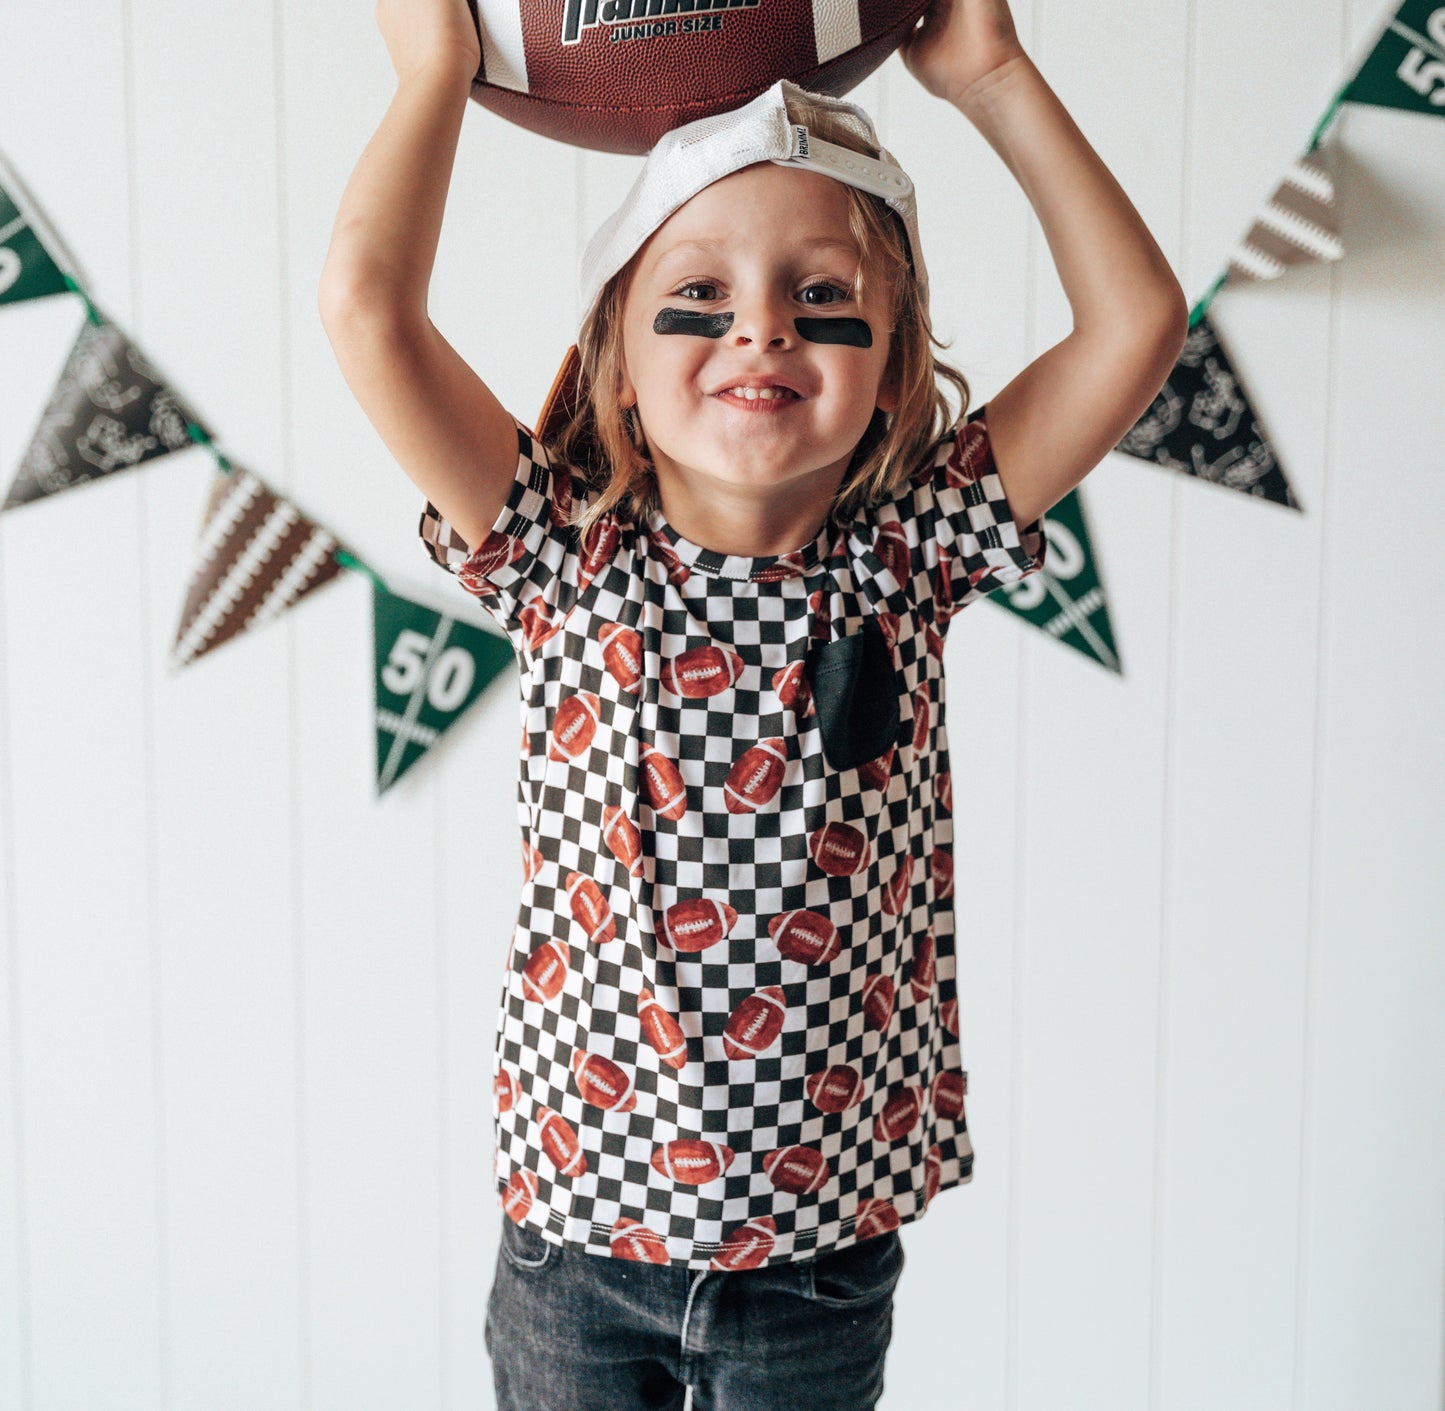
[{"x": 248, "y": 1009}]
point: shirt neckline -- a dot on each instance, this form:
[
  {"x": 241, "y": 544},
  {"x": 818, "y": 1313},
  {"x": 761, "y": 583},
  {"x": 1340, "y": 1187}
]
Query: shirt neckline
[{"x": 796, "y": 563}]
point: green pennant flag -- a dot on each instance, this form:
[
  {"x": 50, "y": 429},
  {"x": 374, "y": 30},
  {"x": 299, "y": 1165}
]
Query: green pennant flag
[
  {"x": 109, "y": 412},
  {"x": 26, "y": 269},
  {"x": 1065, "y": 598},
  {"x": 1201, "y": 423},
  {"x": 1406, "y": 68},
  {"x": 429, "y": 669}
]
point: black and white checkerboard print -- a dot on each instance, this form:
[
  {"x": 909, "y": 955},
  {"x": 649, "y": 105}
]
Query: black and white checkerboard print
[{"x": 962, "y": 542}]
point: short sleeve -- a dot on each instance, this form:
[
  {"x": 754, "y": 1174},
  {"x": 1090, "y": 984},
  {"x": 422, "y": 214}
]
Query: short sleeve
[
  {"x": 530, "y": 559},
  {"x": 957, "y": 527}
]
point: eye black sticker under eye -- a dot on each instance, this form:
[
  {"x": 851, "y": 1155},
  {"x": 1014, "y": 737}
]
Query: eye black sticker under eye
[
  {"x": 685, "y": 321},
  {"x": 852, "y": 331}
]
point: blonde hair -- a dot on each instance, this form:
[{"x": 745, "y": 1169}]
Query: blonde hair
[{"x": 603, "y": 443}]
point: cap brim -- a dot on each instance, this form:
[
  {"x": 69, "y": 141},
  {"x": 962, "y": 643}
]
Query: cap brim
[{"x": 563, "y": 399}]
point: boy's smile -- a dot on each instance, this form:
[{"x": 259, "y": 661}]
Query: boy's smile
[{"x": 752, "y": 365}]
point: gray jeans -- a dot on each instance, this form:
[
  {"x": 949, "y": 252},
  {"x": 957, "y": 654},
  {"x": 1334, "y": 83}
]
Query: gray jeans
[{"x": 572, "y": 1331}]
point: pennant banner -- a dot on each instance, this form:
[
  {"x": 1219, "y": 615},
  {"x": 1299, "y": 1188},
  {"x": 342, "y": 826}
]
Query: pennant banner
[
  {"x": 1406, "y": 69},
  {"x": 256, "y": 555},
  {"x": 429, "y": 669},
  {"x": 1202, "y": 423},
  {"x": 1065, "y": 599},
  {"x": 109, "y": 411},
  {"x": 1296, "y": 226},
  {"x": 26, "y": 269}
]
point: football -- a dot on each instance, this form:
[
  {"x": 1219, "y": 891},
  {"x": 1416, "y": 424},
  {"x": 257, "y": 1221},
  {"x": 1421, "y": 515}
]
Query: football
[
  {"x": 590, "y": 909},
  {"x": 875, "y": 1217},
  {"x": 896, "y": 889},
  {"x": 878, "y": 997},
  {"x": 948, "y": 1090},
  {"x": 622, "y": 655},
  {"x": 922, "y": 717},
  {"x": 574, "y": 725},
  {"x": 695, "y": 923},
  {"x": 702, "y": 671},
  {"x": 943, "y": 790},
  {"x": 624, "y": 841},
  {"x": 793, "y": 688},
  {"x": 800, "y": 1170},
  {"x": 746, "y": 1246},
  {"x": 839, "y": 849},
  {"x": 900, "y": 1114},
  {"x": 631, "y": 1239},
  {"x": 942, "y": 869},
  {"x": 662, "y": 784},
  {"x": 602, "y": 1082},
  {"x": 932, "y": 1173},
  {"x": 518, "y": 1197},
  {"x": 661, "y": 1030},
  {"x": 875, "y": 773},
  {"x": 560, "y": 1143},
  {"x": 693, "y": 1161},
  {"x": 537, "y": 624},
  {"x": 835, "y": 1088},
  {"x": 497, "y": 550},
  {"x": 545, "y": 972},
  {"x": 598, "y": 547},
  {"x": 890, "y": 548},
  {"x": 805, "y": 936},
  {"x": 920, "y": 968},
  {"x": 756, "y": 777},
  {"x": 754, "y": 1025},
  {"x": 504, "y": 1091},
  {"x": 614, "y": 75}
]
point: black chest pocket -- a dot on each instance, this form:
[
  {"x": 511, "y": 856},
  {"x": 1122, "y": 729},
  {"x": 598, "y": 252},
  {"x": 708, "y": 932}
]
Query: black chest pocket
[{"x": 855, "y": 693}]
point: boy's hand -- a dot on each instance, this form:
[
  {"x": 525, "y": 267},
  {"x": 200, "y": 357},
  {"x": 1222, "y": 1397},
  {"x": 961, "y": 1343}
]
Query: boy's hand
[
  {"x": 960, "y": 43},
  {"x": 429, "y": 35}
]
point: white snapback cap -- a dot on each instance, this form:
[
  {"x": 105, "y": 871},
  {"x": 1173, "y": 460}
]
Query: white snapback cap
[{"x": 695, "y": 155}]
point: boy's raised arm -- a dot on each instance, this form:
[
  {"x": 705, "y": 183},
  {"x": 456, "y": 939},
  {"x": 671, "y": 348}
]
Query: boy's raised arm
[
  {"x": 1055, "y": 421},
  {"x": 447, "y": 430}
]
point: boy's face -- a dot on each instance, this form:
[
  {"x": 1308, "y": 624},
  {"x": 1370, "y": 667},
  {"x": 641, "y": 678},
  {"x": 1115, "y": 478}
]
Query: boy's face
[{"x": 698, "y": 321}]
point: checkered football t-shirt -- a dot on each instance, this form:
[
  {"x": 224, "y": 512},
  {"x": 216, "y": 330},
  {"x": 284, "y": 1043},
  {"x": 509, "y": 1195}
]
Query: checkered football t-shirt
[{"x": 729, "y": 1028}]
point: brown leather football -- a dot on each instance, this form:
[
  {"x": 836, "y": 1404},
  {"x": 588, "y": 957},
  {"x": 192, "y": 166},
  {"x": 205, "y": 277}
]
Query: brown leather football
[{"x": 614, "y": 75}]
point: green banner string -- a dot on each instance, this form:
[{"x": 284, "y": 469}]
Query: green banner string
[
  {"x": 198, "y": 435},
  {"x": 1336, "y": 103},
  {"x": 1202, "y": 307},
  {"x": 91, "y": 312},
  {"x": 346, "y": 560},
  {"x": 355, "y": 564}
]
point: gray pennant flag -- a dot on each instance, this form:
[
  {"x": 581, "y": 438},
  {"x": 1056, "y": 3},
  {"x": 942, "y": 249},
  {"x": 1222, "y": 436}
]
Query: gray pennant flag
[{"x": 109, "y": 412}]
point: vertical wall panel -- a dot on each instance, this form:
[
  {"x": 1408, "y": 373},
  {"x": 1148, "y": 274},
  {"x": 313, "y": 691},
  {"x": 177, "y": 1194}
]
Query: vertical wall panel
[
  {"x": 1242, "y": 752},
  {"x": 1092, "y": 816},
  {"x": 1371, "y": 1268},
  {"x": 79, "y": 717},
  {"x": 207, "y": 222}
]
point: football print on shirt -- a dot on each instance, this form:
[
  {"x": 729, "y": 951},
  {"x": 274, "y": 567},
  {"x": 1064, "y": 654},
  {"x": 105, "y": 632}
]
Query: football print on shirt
[{"x": 728, "y": 1032}]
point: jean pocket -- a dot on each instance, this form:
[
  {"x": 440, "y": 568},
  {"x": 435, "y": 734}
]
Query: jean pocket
[
  {"x": 860, "y": 1273},
  {"x": 524, "y": 1247}
]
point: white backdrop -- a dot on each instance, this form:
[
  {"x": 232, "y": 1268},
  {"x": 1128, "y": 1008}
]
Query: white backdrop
[{"x": 248, "y": 1009}]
